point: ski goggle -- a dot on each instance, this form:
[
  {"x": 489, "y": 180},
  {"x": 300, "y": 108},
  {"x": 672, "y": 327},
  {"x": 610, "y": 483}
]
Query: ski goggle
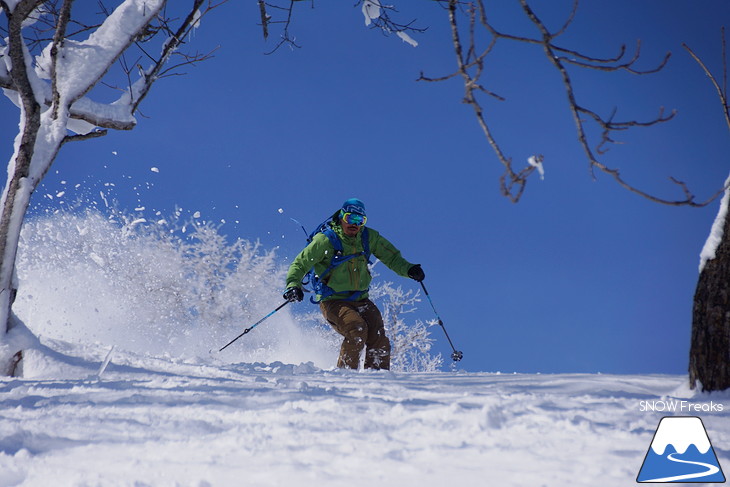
[{"x": 354, "y": 218}]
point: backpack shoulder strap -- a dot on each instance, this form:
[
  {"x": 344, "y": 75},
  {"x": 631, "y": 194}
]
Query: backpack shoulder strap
[{"x": 333, "y": 238}]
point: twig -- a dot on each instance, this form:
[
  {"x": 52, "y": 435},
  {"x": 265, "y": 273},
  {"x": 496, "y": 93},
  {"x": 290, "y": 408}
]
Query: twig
[
  {"x": 79, "y": 137},
  {"x": 721, "y": 93}
]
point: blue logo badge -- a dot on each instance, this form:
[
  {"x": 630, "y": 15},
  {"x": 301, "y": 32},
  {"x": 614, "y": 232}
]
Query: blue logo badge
[{"x": 681, "y": 452}]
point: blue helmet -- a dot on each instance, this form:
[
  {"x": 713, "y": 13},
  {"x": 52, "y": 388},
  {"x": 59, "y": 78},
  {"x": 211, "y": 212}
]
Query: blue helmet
[{"x": 353, "y": 205}]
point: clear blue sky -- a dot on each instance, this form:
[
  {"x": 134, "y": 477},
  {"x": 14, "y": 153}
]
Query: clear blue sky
[{"x": 580, "y": 276}]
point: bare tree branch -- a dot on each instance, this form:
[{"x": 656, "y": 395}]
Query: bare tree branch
[
  {"x": 58, "y": 38},
  {"x": 264, "y": 18},
  {"x": 604, "y": 64},
  {"x": 286, "y": 37},
  {"x": 512, "y": 183},
  {"x": 175, "y": 41},
  {"x": 607, "y": 125},
  {"x": 471, "y": 68},
  {"x": 387, "y": 25},
  {"x": 721, "y": 92},
  {"x": 724, "y": 65},
  {"x": 79, "y": 137}
]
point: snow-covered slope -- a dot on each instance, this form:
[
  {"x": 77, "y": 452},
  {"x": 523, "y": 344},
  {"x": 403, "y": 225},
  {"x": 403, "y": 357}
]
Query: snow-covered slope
[{"x": 150, "y": 421}]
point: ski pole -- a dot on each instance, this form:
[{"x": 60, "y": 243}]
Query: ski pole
[
  {"x": 254, "y": 325},
  {"x": 303, "y": 229},
  {"x": 456, "y": 355}
]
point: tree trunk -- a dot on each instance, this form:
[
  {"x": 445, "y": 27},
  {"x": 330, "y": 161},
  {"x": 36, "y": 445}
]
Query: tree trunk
[
  {"x": 13, "y": 207},
  {"x": 19, "y": 187},
  {"x": 709, "y": 360},
  {"x": 16, "y": 198}
]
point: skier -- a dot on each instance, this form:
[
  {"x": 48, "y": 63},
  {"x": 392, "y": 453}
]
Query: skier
[{"x": 338, "y": 253}]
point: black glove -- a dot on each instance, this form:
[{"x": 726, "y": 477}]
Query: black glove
[
  {"x": 416, "y": 273},
  {"x": 294, "y": 294}
]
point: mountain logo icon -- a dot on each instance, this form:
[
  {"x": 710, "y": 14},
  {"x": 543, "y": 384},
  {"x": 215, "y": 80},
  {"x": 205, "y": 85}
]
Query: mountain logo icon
[{"x": 681, "y": 452}]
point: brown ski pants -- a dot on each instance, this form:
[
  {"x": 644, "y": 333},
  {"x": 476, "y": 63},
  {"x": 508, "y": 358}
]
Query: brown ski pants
[{"x": 361, "y": 325}]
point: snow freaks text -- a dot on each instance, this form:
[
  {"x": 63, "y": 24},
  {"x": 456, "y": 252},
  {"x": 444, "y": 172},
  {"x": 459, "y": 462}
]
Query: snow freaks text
[{"x": 680, "y": 406}]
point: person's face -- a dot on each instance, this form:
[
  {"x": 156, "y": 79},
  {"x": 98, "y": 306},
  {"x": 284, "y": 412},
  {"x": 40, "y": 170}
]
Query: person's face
[
  {"x": 349, "y": 229},
  {"x": 351, "y": 223}
]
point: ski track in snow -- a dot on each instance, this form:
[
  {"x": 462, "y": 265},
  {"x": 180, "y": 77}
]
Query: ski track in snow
[{"x": 154, "y": 422}]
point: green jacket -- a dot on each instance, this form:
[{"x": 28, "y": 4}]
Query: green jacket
[{"x": 352, "y": 275}]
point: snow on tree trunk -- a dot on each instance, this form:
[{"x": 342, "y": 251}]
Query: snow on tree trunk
[{"x": 709, "y": 361}]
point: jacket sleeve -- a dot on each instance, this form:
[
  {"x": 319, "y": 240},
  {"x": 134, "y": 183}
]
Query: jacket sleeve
[
  {"x": 316, "y": 254},
  {"x": 388, "y": 254}
]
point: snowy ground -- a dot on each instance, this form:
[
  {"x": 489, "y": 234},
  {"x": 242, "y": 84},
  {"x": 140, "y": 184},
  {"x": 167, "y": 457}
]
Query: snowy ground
[{"x": 150, "y": 421}]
